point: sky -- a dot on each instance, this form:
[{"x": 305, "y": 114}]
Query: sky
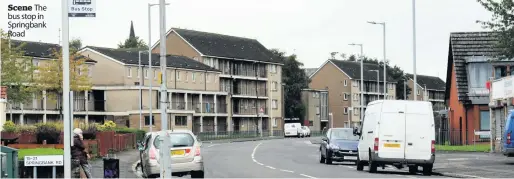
[{"x": 309, "y": 28}]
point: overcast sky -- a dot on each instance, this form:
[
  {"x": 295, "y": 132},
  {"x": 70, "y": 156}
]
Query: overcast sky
[{"x": 310, "y": 28}]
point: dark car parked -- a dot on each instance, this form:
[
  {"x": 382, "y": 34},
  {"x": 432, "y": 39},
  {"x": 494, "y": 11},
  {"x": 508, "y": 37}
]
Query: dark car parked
[{"x": 338, "y": 144}]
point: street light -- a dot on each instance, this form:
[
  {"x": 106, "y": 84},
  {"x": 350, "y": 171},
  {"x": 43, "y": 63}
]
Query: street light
[
  {"x": 378, "y": 82},
  {"x": 384, "y": 41},
  {"x": 414, "y": 44},
  {"x": 140, "y": 76},
  {"x": 362, "y": 79},
  {"x": 150, "y": 62}
]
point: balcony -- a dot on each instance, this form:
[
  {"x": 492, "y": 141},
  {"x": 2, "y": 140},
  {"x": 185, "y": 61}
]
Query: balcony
[
  {"x": 249, "y": 110},
  {"x": 222, "y": 107},
  {"x": 208, "y": 107},
  {"x": 178, "y": 106}
]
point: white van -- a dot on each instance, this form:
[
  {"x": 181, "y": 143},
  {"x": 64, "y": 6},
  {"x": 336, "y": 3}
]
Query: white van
[
  {"x": 398, "y": 133},
  {"x": 292, "y": 129}
]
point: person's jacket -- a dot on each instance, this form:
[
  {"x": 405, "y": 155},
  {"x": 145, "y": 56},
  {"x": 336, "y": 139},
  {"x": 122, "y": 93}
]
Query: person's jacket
[{"x": 77, "y": 150}]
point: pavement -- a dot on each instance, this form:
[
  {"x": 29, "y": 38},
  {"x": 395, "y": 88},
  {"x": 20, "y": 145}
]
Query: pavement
[
  {"x": 299, "y": 158},
  {"x": 127, "y": 159}
]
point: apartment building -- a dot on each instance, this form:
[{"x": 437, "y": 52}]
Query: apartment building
[
  {"x": 45, "y": 105},
  {"x": 430, "y": 88},
  {"x": 195, "y": 101},
  {"x": 250, "y": 75},
  {"x": 342, "y": 80},
  {"x": 316, "y": 104}
]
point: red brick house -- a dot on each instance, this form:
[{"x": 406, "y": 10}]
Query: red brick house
[{"x": 469, "y": 69}]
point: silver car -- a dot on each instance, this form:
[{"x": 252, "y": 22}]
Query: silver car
[{"x": 185, "y": 154}]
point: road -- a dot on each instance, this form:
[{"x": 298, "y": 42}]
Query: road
[{"x": 282, "y": 158}]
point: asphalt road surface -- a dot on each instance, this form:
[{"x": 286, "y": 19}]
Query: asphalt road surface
[{"x": 282, "y": 158}]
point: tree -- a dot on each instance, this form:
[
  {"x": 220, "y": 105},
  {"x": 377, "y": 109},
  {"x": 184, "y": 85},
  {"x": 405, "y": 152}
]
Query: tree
[
  {"x": 133, "y": 42},
  {"x": 502, "y": 23},
  {"x": 395, "y": 72},
  {"x": 294, "y": 80},
  {"x": 16, "y": 72},
  {"x": 75, "y": 44},
  {"x": 50, "y": 75}
]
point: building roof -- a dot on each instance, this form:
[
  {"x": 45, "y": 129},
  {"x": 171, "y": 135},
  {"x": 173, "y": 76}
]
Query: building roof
[
  {"x": 462, "y": 45},
  {"x": 40, "y": 49},
  {"x": 431, "y": 82},
  {"x": 131, "y": 57},
  {"x": 353, "y": 70},
  {"x": 218, "y": 45},
  {"x": 309, "y": 71}
]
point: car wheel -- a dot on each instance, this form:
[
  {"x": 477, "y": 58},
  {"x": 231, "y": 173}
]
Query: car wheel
[
  {"x": 372, "y": 165},
  {"x": 413, "y": 169},
  {"x": 360, "y": 164},
  {"x": 328, "y": 158},
  {"x": 321, "y": 158},
  {"x": 197, "y": 174},
  {"x": 427, "y": 169}
]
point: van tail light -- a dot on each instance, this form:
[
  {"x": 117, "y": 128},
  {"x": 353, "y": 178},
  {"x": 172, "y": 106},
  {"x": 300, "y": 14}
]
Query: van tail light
[
  {"x": 153, "y": 154},
  {"x": 432, "y": 147},
  {"x": 197, "y": 151},
  {"x": 375, "y": 146},
  {"x": 188, "y": 151},
  {"x": 508, "y": 137}
]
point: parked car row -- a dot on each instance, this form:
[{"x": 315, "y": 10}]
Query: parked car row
[
  {"x": 296, "y": 130},
  {"x": 394, "y": 132}
]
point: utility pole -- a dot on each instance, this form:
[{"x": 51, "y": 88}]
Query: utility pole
[
  {"x": 385, "y": 60},
  {"x": 166, "y": 169},
  {"x": 140, "y": 78},
  {"x": 150, "y": 96},
  {"x": 66, "y": 89}
]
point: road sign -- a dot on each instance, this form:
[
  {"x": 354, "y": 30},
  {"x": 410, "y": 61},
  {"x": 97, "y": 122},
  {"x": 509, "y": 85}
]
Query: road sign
[
  {"x": 3, "y": 92},
  {"x": 44, "y": 160},
  {"x": 82, "y": 8}
]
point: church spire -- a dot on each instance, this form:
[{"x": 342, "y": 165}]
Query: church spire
[{"x": 132, "y": 33}]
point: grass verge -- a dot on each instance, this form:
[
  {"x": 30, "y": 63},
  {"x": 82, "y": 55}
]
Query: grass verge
[
  {"x": 39, "y": 151},
  {"x": 464, "y": 148}
]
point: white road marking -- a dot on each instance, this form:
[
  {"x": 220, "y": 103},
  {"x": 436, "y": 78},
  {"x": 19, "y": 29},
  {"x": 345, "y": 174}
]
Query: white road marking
[
  {"x": 255, "y": 149},
  {"x": 212, "y": 145},
  {"x": 286, "y": 171},
  {"x": 457, "y": 159},
  {"x": 306, "y": 176},
  {"x": 271, "y": 167},
  {"x": 350, "y": 167}
]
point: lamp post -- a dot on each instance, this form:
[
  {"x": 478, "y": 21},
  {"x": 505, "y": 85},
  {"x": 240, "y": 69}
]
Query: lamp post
[
  {"x": 362, "y": 80},
  {"x": 140, "y": 77},
  {"x": 384, "y": 45},
  {"x": 66, "y": 89},
  {"x": 150, "y": 62},
  {"x": 378, "y": 82},
  {"x": 414, "y": 45}
]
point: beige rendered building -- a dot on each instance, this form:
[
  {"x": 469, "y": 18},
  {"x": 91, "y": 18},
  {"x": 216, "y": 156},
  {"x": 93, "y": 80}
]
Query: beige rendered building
[
  {"x": 316, "y": 104},
  {"x": 342, "y": 80},
  {"x": 430, "y": 88}
]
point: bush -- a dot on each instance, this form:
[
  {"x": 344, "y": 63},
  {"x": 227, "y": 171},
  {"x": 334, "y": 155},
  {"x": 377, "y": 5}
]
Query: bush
[
  {"x": 49, "y": 132},
  {"x": 9, "y": 126},
  {"x": 26, "y": 129},
  {"x": 140, "y": 134},
  {"x": 108, "y": 126},
  {"x": 89, "y": 132}
]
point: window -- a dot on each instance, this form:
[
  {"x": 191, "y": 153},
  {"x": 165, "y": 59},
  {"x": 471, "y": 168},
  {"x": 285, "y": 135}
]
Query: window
[
  {"x": 193, "y": 76},
  {"x": 355, "y": 97},
  {"x": 478, "y": 74},
  {"x": 274, "y": 85},
  {"x": 147, "y": 120},
  {"x": 180, "y": 120},
  {"x": 345, "y": 96},
  {"x": 419, "y": 91},
  {"x": 314, "y": 94},
  {"x": 90, "y": 70},
  {"x": 186, "y": 75},
  {"x": 345, "y": 110},
  {"x": 274, "y": 104},
  {"x": 355, "y": 83},
  {"x": 154, "y": 74},
  {"x": 484, "y": 123},
  {"x": 129, "y": 72},
  {"x": 208, "y": 78},
  {"x": 356, "y": 111},
  {"x": 345, "y": 83},
  {"x": 137, "y": 72},
  {"x": 317, "y": 109},
  {"x": 146, "y": 73},
  {"x": 273, "y": 68},
  {"x": 275, "y": 122},
  {"x": 178, "y": 75}
]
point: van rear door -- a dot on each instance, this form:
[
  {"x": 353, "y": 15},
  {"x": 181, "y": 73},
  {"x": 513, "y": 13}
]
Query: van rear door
[
  {"x": 391, "y": 139},
  {"x": 420, "y": 131}
]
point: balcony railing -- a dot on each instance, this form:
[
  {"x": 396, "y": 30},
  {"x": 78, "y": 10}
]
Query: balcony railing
[
  {"x": 178, "y": 106},
  {"x": 208, "y": 107},
  {"x": 249, "y": 110},
  {"x": 222, "y": 107}
]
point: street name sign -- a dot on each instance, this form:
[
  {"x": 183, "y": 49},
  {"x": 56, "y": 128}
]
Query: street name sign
[{"x": 44, "y": 160}]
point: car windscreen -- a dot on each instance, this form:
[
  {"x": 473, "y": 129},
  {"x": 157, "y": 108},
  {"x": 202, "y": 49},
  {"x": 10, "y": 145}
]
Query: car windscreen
[
  {"x": 343, "y": 134},
  {"x": 177, "y": 140}
]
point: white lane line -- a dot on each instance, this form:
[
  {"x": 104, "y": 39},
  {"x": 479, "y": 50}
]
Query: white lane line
[
  {"x": 350, "y": 167},
  {"x": 289, "y": 171},
  {"x": 270, "y": 167},
  {"x": 306, "y": 176},
  {"x": 212, "y": 145},
  {"x": 255, "y": 149}
]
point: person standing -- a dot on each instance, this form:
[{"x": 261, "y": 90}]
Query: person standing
[{"x": 79, "y": 155}]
